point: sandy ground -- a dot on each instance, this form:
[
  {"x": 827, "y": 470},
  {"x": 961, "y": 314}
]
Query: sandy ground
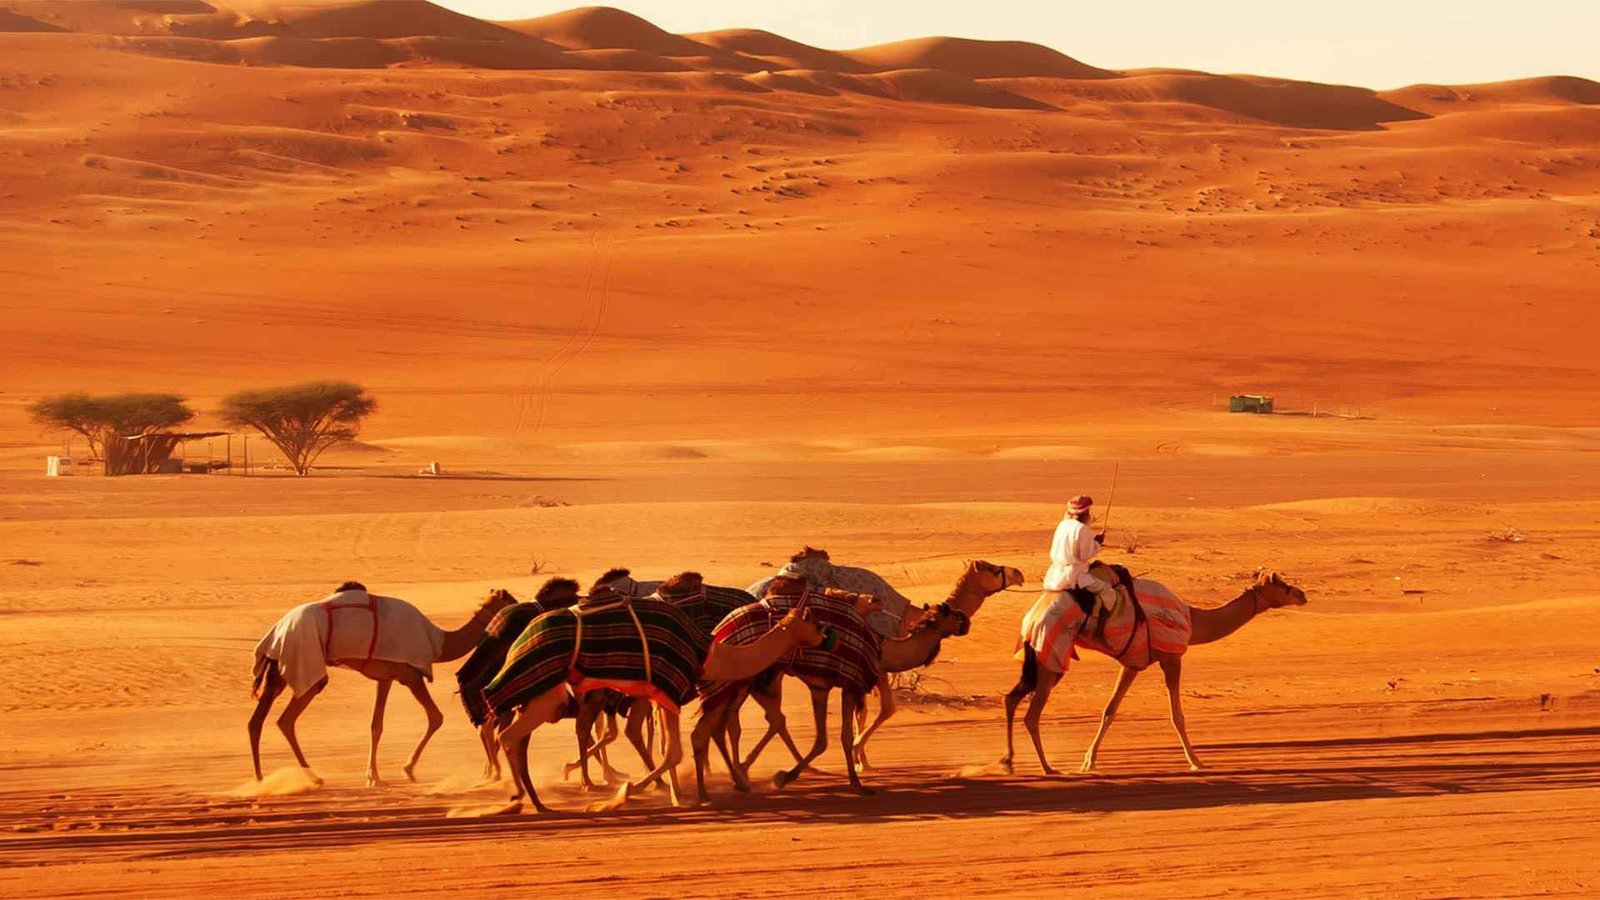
[{"x": 693, "y": 302}]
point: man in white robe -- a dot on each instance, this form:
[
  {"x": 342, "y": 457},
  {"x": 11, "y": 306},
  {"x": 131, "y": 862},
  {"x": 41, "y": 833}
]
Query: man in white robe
[{"x": 1071, "y": 551}]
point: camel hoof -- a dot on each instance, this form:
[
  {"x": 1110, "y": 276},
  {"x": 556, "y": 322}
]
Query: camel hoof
[
  {"x": 1051, "y": 771},
  {"x": 1006, "y": 767},
  {"x": 1197, "y": 767},
  {"x": 782, "y": 779},
  {"x": 617, "y": 800},
  {"x": 862, "y": 790},
  {"x": 411, "y": 773},
  {"x": 313, "y": 776},
  {"x": 742, "y": 787}
]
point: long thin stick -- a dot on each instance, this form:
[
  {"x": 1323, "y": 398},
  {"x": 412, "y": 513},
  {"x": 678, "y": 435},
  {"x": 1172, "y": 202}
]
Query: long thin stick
[{"x": 1105, "y": 521}]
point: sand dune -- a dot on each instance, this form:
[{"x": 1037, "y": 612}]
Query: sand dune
[
  {"x": 13, "y": 21},
  {"x": 976, "y": 59},
  {"x": 604, "y": 28},
  {"x": 777, "y": 51}
]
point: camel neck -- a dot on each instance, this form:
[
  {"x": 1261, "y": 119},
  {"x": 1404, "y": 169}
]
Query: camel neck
[
  {"x": 736, "y": 662},
  {"x": 1214, "y": 624},
  {"x": 460, "y": 642}
]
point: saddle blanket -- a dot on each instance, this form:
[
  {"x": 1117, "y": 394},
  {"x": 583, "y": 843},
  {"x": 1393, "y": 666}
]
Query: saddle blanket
[
  {"x": 1056, "y": 623},
  {"x": 350, "y": 625},
  {"x": 608, "y": 653}
]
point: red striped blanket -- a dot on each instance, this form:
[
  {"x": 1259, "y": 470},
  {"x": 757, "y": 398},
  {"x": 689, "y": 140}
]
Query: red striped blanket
[
  {"x": 851, "y": 664},
  {"x": 1055, "y": 624}
]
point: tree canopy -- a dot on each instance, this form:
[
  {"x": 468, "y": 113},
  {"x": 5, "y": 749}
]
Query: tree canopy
[
  {"x": 301, "y": 420},
  {"x": 124, "y": 414}
]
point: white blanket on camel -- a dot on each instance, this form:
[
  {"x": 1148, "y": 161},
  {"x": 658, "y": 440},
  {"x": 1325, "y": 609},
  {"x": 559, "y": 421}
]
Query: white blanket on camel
[{"x": 349, "y": 625}]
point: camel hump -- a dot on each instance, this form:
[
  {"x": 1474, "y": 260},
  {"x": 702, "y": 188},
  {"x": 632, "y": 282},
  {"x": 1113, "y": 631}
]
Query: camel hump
[
  {"x": 682, "y": 584},
  {"x": 786, "y": 584}
]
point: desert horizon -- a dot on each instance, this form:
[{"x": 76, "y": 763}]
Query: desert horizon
[{"x": 624, "y": 297}]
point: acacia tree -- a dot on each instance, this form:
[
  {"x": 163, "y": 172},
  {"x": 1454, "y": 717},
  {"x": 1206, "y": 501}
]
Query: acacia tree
[
  {"x": 124, "y": 414},
  {"x": 302, "y": 420}
]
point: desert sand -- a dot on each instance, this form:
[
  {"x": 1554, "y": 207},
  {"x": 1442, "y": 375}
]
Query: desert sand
[{"x": 693, "y": 301}]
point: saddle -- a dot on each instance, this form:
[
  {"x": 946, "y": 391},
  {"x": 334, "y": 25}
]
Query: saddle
[{"x": 1121, "y": 581}]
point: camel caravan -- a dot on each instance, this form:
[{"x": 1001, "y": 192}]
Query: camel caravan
[{"x": 638, "y": 652}]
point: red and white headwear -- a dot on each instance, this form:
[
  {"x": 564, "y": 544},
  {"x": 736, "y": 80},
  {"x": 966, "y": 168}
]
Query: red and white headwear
[{"x": 1079, "y": 505}]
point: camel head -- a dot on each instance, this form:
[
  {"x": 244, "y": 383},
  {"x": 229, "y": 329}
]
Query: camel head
[
  {"x": 981, "y": 579},
  {"x": 945, "y": 619},
  {"x": 803, "y": 626},
  {"x": 557, "y": 593},
  {"x": 1272, "y": 592},
  {"x": 499, "y": 599}
]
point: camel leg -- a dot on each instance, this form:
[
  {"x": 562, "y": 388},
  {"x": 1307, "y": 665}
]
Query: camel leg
[
  {"x": 819, "y": 713},
  {"x": 885, "y": 710},
  {"x": 515, "y": 734},
  {"x": 1124, "y": 681},
  {"x": 777, "y": 724},
  {"x": 1014, "y": 699},
  {"x": 700, "y": 744},
  {"x": 638, "y": 717},
  {"x": 291, "y": 713},
  {"x": 1041, "y": 695},
  {"x": 419, "y": 689},
  {"x": 377, "y": 732},
  {"x": 847, "y": 740},
  {"x": 270, "y": 689},
  {"x": 491, "y": 752},
  {"x": 669, "y": 762},
  {"x": 730, "y": 754},
  {"x": 589, "y": 709},
  {"x": 1172, "y": 671},
  {"x": 611, "y": 774}
]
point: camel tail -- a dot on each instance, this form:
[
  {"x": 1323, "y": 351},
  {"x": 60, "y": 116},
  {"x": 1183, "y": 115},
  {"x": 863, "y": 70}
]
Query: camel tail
[
  {"x": 1030, "y": 668},
  {"x": 265, "y": 667}
]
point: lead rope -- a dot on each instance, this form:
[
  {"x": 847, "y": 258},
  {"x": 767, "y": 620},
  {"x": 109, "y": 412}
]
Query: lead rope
[{"x": 643, "y": 641}]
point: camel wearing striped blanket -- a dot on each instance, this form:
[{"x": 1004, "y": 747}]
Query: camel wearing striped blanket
[
  {"x": 643, "y": 648},
  {"x": 1153, "y": 627},
  {"x": 490, "y": 655},
  {"x": 706, "y": 605}
]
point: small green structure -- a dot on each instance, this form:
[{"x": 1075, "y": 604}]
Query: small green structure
[{"x": 1249, "y": 403}]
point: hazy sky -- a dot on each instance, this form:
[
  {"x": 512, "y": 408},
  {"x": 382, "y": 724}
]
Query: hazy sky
[{"x": 1376, "y": 43}]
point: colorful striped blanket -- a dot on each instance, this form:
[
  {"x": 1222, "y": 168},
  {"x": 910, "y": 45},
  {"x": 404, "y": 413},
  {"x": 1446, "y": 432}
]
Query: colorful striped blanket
[
  {"x": 853, "y": 662},
  {"x": 490, "y": 655},
  {"x": 1056, "y": 623},
  {"x": 710, "y": 605},
  {"x": 600, "y": 646}
]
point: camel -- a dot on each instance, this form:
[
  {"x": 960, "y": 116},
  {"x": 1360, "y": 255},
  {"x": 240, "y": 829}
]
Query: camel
[
  {"x": 920, "y": 648},
  {"x": 643, "y": 648},
  {"x": 403, "y": 646},
  {"x": 706, "y": 605},
  {"x": 1154, "y": 603},
  {"x": 851, "y": 662},
  {"x": 888, "y": 617},
  {"x": 952, "y": 618},
  {"x": 490, "y": 655}
]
